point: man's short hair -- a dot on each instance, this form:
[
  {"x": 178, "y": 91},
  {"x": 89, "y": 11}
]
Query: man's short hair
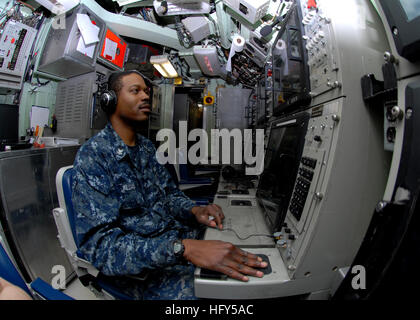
[{"x": 115, "y": 80}]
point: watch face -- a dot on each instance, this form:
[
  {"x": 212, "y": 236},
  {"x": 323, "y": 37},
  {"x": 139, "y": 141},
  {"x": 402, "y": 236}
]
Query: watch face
[{"x": 177, "y": 247}]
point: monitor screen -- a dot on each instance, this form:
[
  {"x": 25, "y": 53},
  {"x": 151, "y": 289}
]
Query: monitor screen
[
  {"x": 9, "y": 123},
  {"x": 283, "y": 153},
  {"x": 411, "y": 8},
  {"x": 403, "y": 17}
]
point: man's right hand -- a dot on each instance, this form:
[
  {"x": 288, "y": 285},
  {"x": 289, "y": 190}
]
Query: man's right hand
[{"x": 223, "y": 257}]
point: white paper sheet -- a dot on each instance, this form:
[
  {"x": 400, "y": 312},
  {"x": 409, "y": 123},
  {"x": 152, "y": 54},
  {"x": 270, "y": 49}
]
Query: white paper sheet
[
  {"x": 39, "y": 116},
  {"x": 110, "y": 48},
  {"x": 88, "y": 30},
  {"x": 86, "y": 50}
]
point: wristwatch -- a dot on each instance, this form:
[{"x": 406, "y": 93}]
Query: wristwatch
[{"x": 178, "y": 249}]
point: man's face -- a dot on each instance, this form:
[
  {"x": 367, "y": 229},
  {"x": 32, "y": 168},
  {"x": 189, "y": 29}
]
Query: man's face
[{"x": 133, "y": 99}]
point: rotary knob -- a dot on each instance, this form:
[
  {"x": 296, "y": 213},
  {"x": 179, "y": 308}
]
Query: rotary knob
[
  {"x": 335, "y": 118},
  {"x": 319, "y": 195}
]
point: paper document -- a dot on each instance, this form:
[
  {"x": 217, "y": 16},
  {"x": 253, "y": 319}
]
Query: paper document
[
  {"x": 86, "y": 50},
  {"x": 88, "y": 30},
  {"x": 39, "y": 116},
  {"x": 110, "y": 49}
]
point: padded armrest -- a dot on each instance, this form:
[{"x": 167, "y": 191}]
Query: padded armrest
[{"x": 44, "y": 290}]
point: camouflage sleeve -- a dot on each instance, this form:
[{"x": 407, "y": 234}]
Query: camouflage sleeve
[
  {"x": 101, "y": 239},
  {"x": 178, "y": 203}
]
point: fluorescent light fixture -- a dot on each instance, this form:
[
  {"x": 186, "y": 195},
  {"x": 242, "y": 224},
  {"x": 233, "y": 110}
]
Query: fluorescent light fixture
[{"x": 164, "y": 66}]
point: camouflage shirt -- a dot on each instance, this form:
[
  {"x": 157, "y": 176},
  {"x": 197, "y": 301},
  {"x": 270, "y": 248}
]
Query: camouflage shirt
[{"x": 128, "y": 209}]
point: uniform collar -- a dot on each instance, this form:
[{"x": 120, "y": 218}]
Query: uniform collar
[{"x": 120, "y": 149}]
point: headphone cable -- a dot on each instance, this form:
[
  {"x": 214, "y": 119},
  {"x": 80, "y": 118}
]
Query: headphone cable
[{"x": 252, "y": 235}]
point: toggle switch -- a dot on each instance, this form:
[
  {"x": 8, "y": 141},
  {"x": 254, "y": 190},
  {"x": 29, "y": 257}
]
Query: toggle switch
[{"x": 317, "y": 138}]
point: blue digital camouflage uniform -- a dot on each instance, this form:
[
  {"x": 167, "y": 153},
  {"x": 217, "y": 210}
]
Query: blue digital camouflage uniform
[{"x": 129, "y": 211}]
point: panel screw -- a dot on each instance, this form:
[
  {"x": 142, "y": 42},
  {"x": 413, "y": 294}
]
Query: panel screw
[
  {"x": 409, "y": 113},
  {"x": 380, "y": 206}
]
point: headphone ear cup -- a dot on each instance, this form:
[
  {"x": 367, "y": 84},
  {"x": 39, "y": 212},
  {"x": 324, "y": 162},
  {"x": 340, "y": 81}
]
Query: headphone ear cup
[{"x": 108, "y": 101}]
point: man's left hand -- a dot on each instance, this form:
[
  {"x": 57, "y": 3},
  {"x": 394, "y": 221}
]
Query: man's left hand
[{"x": 203, "y": 214}]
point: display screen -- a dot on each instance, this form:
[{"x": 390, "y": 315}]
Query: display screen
[
  {"x": 403, "y": 17},
  {"x": 282, "y": 159},
  {"x": 278, "y": 179},
  {"x": 9, "y": 123},
  {"x": 411, "y": 8}
]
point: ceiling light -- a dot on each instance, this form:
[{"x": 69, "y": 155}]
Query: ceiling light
[{"x": 164, "y": 66}]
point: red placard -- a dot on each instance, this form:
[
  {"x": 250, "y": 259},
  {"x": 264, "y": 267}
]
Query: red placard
[{"x": 118, "y": 58}]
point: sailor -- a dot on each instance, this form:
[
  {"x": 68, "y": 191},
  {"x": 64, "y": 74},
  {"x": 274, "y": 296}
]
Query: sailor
[{"x": 131, "y": 217}]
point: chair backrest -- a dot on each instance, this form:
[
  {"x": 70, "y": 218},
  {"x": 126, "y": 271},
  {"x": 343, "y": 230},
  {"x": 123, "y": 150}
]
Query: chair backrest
[
  {"x": 9, "y": 272},
  {"x": 65, "y": 219},
  {"x": 67, "y": 227}
]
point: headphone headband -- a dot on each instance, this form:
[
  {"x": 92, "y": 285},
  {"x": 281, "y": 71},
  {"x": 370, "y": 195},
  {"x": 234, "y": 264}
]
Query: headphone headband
[{"x": 108, "y": 97}]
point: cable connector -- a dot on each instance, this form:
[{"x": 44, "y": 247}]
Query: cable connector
[{"x": 278, "y": 235}]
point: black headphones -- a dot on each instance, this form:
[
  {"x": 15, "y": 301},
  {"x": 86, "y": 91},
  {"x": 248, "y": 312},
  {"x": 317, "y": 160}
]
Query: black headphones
[
  {"x": 108, "y": 98},
  {"x": 108, "y": 101}
]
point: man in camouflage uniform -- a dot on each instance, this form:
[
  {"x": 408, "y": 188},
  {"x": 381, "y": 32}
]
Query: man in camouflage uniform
[{"x": 132, "y": 218}]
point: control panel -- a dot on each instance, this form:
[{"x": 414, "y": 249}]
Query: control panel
[
  {"x": 343, "y": 169},
  {"x": 307, "y": 192},
  {"x": 320, "y": 43},
  {"x": 15, "y": 46},
  {"x": 303, "y": 183}
]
